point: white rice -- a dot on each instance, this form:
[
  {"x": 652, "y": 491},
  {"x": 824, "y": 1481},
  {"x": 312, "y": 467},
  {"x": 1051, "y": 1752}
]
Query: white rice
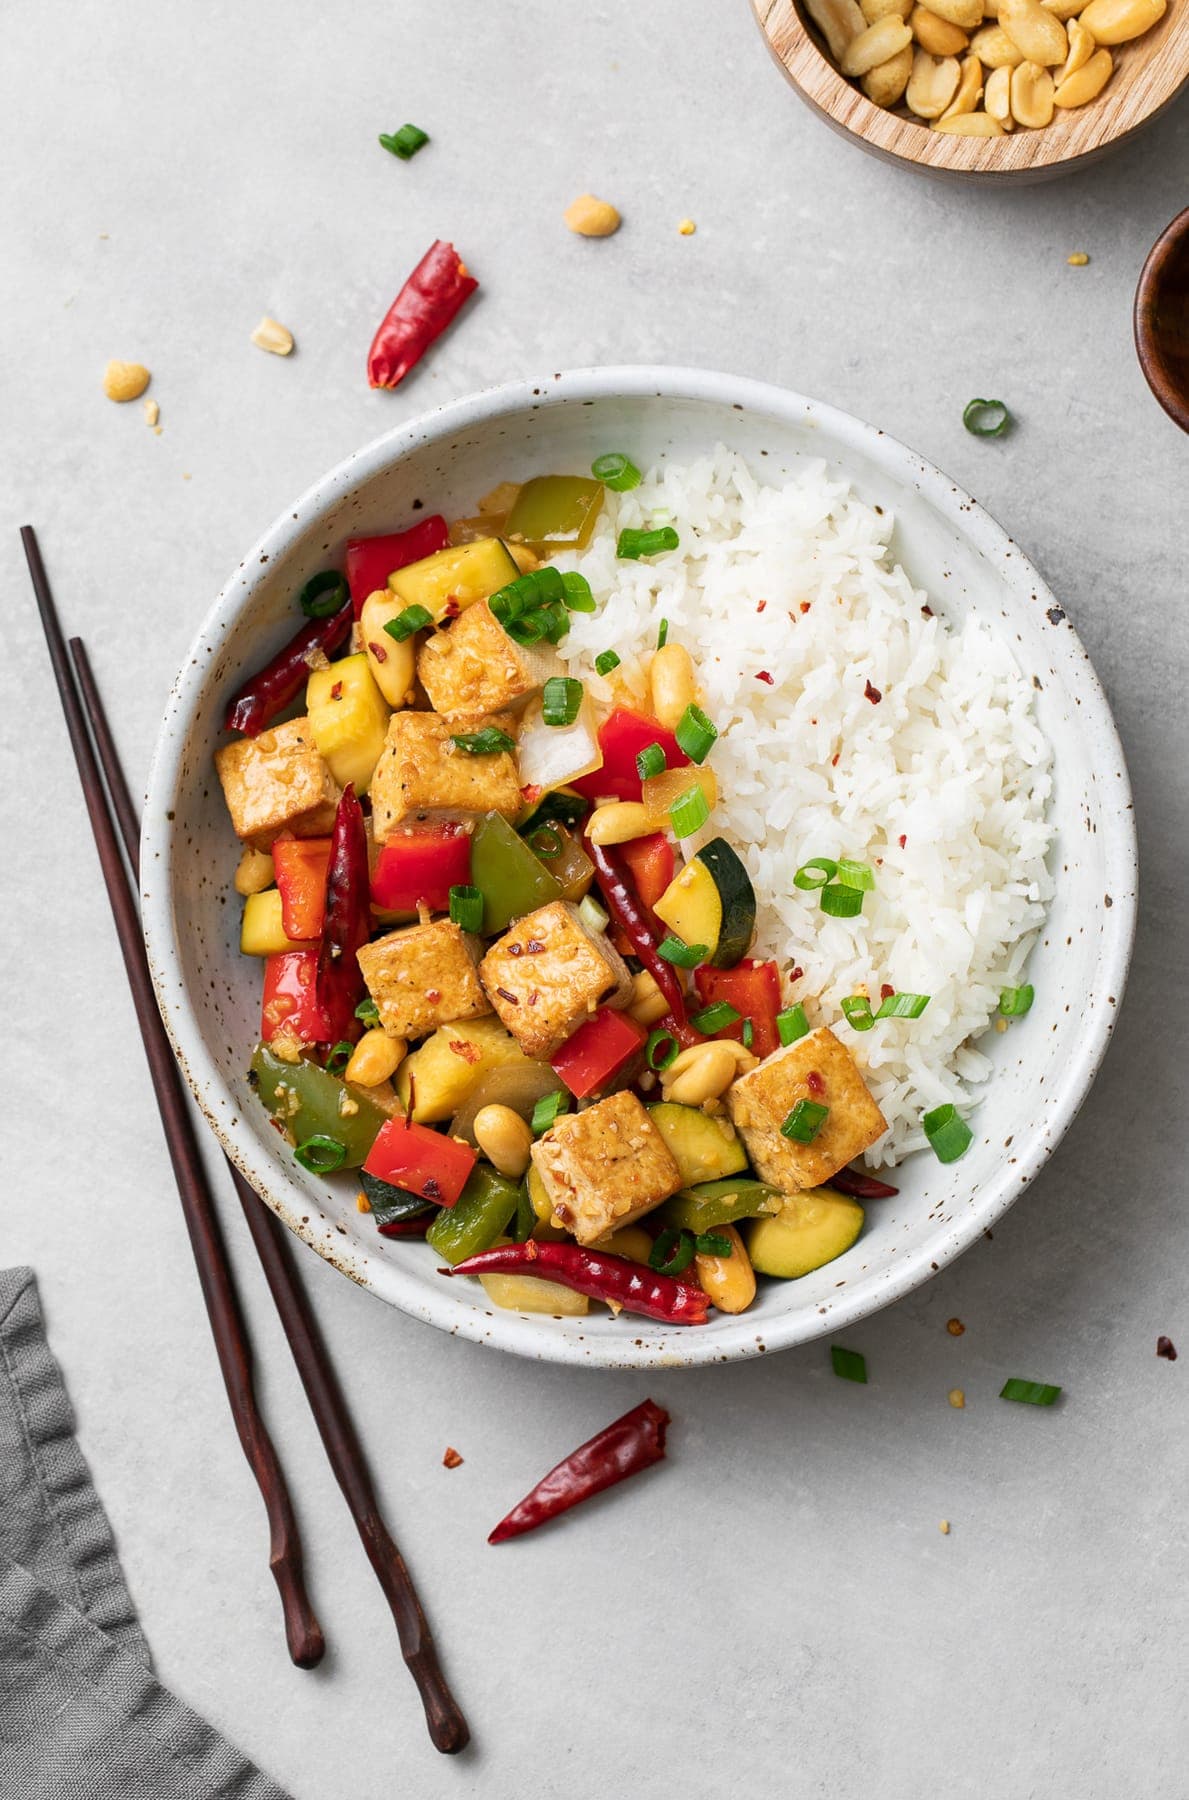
[{"x": 941, "y": 786}]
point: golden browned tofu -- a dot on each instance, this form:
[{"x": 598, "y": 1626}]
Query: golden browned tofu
[
  {"x": 475, "y": 667},
  {"x": 604, "y": 1167},
  {"x": 277, "y": 782},
  {"x": 816, "y": 1068},
  {"x": 424, "y": 977},
  {"x": 549, "y": 973},
  {"x": 422, "y": 772}
]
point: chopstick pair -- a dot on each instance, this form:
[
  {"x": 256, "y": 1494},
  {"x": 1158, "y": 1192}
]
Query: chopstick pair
[{"x": 447, "y": 1727}]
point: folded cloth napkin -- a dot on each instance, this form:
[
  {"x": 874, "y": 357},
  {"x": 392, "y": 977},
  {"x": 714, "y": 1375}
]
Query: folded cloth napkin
[{"x": 82, "y": 1717}]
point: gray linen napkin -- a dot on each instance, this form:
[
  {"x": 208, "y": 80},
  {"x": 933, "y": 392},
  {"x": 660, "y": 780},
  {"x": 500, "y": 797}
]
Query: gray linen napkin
[{"x": 82, "y": 1717}]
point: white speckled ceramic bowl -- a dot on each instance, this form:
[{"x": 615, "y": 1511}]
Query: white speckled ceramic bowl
[{"x": 1045, "y": 1064}]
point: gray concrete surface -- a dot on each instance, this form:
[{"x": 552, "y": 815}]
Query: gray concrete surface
[{"x": 776, "y": 1611}]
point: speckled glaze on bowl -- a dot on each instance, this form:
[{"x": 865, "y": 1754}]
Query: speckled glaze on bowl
[{"x": 948, "y": 544}]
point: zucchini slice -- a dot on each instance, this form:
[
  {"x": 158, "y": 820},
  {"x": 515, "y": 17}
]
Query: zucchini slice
[
  {"x": 810, "y": 1229},
  {"x": 699, "y": 1144},
  {"x": 712, "y": 902},
  {"x": 454, "y": 578}
]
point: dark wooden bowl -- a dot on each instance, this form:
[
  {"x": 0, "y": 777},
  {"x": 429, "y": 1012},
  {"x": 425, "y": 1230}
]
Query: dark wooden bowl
[{"x": 1162, "y": 319}]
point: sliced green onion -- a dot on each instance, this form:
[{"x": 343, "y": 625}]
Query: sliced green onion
[
  {"x": 672, "y": 1252},
  {"x": 617, "y": 472},
  {"x": 368, "y": 1012},
  {"x": 592, "y": 915},
  {"x": 682, "y": 955},
  {"x": 662, "y": 634},
  {"x": 689, "y": 813},
  {"x": 805, "y": 1121},
  {"x": 466, "y": 907},
  {"x": 548, "y": 1109},
  {"x": 634, "y": 544},
  {"x": 850, "y": 1365},
  {"x": 856, "y": 875},
  {"x": 792, "y": 1025},
  {"x": 561, "y": 700},
  {"x": 903, "y": 1006},
  {"x": 695, "y": 734},
  {"x": 948, "y": 1133},
  {"x": 986, "y": 418},
  {"x": 709, "y": 1243},
  {"x": 413, "y": 618},
  {"x": 1015, "y": 1002},
  {"x": 660, "y": 1050},
  {"x": 651, "y": 761},
  {"x": 527, "y": 593},
  {"x": 815, "y": 873},
  {"x": 605, "y": 661},
  {"x": 555, "y": 620},
  {"x": 487, "y": 742},
  {"x": 1029, "y": 1393},
  {"x": 715, "y": 1017},
  {"x": 857, "y": 1011},
  {"x": 406, "y": 142},
  {"x": 320, "y": 1154},
  {"x": 545, "y": 841},
  {"x": 747, "y": 1034},
  {"x": 528, "y": 629},
  {"x": 323, "y": 595},
  {"x": 339, "y": 1057},
  {"x": 576, "y": 593},
  {"x": 841, "y": 902}
]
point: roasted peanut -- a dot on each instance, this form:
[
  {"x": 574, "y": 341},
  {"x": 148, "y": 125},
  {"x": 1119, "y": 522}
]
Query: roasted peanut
[
  {"x": 997, "y": 98},
  {"x": 1063, "y": 9},
  {"x": 1087, "y": 82},
  {"x": 393, "y": 664},
  {"x": 1118, "y": 21},
  {"x": 125, "y": 381},
  {"x": 671, "y": 684},
  {"x": 647, "y": 1003},
  {"x": 886, "y": 83},
  {"x": 975, "y": 124},
  {"x": 838, "y": 21},
  {"x": 932, "y": 84},
  {"x": 1031, "y": 95},
  {"x": 937, "y": 35},
  {"x": 590, "y": 217},
  {"x": 618, "y": 822},
  {"x": 273, "y": 337},
  {"x": 708, "y": 1072},
  {"x": 877, "y": 44},
  {"x": 375, "y": 1058},
  {"x": 1038, "y": 35},
  {"x": 994, "y": 49},
  {"x": 727, "y": 1281},
  {"x": 504, "y": 1138},
  {"x": 876, "y": 9},
  {"x": 254, "y": 872},
  {"x": 1081, "y": 49},
  {"x": 966, "y": 14},
  {"x": 970, "y": 89}
]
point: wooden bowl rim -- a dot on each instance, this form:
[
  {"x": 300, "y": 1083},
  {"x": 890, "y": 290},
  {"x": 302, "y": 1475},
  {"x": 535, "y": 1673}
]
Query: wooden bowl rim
[{"x": 1148, "y": 344}]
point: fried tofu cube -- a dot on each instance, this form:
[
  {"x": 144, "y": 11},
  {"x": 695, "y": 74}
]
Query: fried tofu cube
[
  {"x": 422, "y": 772},
  {"x": 816, "y": 1068},
  {"x": 547, "y": 975},
  {"x": 423, "y": 977},
  {"x": 277, "y": 782},
  {"x": 475, "y": 667},
  {"x": 605, "y": 1167}
]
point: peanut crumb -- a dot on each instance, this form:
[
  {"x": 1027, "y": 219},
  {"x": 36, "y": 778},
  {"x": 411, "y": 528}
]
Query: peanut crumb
[
  {"x": 1001, "y": 1025},
  {"x": 185, "y": 476},
  {"x": 274, "y": 337},
  {"x": 944, "y": 1528},
  {"x": 452, "y": 1459},
  {"x": 125, "y": 380},
  {"x": 687, "y": 228},
  {"x": 1078, "y": 260},
  {"x": 152, "y": 412},
  {"x": 362, "y": 1203},
  {"x": 957, "y": 1398},
  {"x": 955, "y": 1327}
]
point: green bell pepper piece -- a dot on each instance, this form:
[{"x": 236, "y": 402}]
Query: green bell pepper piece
[
  {"x": 308, "y": 1103},
  {"x": 481, "y": 1214},
  {"x": 710, "y": 1203},
  {"x": 510, "y": 878},
  {"x": 555, "y": 512},
  {"x": 524, "y": 1224}
]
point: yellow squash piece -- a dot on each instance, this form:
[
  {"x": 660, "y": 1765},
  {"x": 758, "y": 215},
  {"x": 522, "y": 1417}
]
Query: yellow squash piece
[
  {"x": 810, "y": 1229},
  {"x": 348, "y": 719},
  {"x": 660, "y": 793},
  {"x": 262, "y": 933},
  {"x": 449, "y": 1065},
  {"x": 454, "y": 578},
  {"x": 692, "y": 907},
  {"x": 528, "y": 1293}
]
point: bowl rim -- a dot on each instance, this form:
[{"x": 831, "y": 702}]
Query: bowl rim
[
  {"x": 1148, "y": 348},
  {"x": 293, "y": 1204}
]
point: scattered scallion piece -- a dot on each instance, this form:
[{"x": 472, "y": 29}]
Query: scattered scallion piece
[
  {"x": 1028, "y": 1393},
  {"x": 592, "y": 915},
  {"x": 841, "y": 902},
  {"x": 576, "y": 593},
  {"x": 689, "y": 813},
  {"x": 856, "y": 875},
  {"x": 634, "y": 544},
  {"x": 662, "y": 634},
  {"x": 805, "y": 1121},
  {"x": 406, "y": 142},
  {"x": 368, "y": 1012},
  {"x": 1015, "y": 1002},
  {"x": 986, "y": 418},
  {"x": 320, "y": 1154},
  {"x": 413, "y": 618},
  {"x": 850, "y": 1365},
  {"x": 856, "y": 1009},
  {"x": 617, "y": 472},
  {"x": 710, "y": 1243},
  {"x": 339, "y": 1057},
  {"x": 672, "y": 1252},
  {"x": 556, "y": 621},
  {"x": 792, "y": 1025},
  {"x": 682, "y": 955},
  {"x": 547, "y": 1111},
  {"x": 815, "y": 873},
  {"x": 695, "y": 734},
  {"x": 527, "y": 629},
  {"x": 715, "y": 1017},
  {"x": 487, "y": 742},
  {"x": 466, "y": 907},
  {"x": 324, "y": 594},
  {"x": 545, "y": 841},
  {"x": 561, "y": 700},
  {"x": 903, "y": 1006},
  {"x": 947, "y": 1132},
  {"x": 605, "y": 661},
  {"x": 747, "y": 1034},
  {"x": 650, "y": 761},
  {"x": 660, "y": 1050}
]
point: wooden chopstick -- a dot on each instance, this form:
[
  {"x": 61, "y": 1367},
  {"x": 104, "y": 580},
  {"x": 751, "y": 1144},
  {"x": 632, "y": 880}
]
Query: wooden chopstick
[{"x": 447, "y": 1726}]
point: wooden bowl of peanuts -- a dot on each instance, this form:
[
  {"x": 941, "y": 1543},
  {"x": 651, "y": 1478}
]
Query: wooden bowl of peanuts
[{"x": 983, "y": 90}]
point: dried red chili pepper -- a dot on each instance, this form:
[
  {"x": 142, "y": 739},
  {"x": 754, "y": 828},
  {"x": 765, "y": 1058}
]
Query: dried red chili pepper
[
  {"x": 339, "y": 982},
  {"x": 597, "y": 1273},
  {"x": 419, "y": 314},
  {"x": 272, "y": 688},
  {"x": 621, "y": 1449},
  {"x": 632, "y": 917},
  {"x": 860, "y": 1186}
]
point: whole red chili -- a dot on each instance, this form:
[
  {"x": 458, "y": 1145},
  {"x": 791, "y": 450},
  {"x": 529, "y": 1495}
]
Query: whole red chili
[
  {"x": 339, "y": 982},
  {"x": 624, "y": 1448},
  {"x": 630, "y": 914},
  {"x": 597, "y": 1273},
  {"x": 419, "y": 314},
  {"x": 861, "y": 1186},
  {"x": 272, "y": 688}
]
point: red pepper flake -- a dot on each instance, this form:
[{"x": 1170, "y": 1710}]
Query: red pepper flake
[
  {"x": 902, "y": 840},
  {"x": 534, "y": 997},
  {"x": 814, "y": 1083},
  {"x": 505, "y": 995},
  {"x": 834, "y": 759},
  {"x": 451, "y": 1460},
  {"x": 1166, "y": 1348},
  {"x": 886, "y": 990},
  {"x": 796, "y": 972},
  {"x": 534, "y": 947},
  {"x": 515, "y": 949},
  {"x": 452, "y": 608},
  {"x": 532, "y": 793},
  {"x": 469, "y": 1052},
  {"x": 760, "y": 605},
  {"x": 336, "y": 692},
  {"x": 433, "y": 995},
  {"x": 419, "y": 314},
  {"x": 764, "y": 676},
  {"x": 927, "y": 612},
  {"x": 873, "y": 694},
  {"x": 805, "y": 605},
  {"x": 378, "y": 651}
]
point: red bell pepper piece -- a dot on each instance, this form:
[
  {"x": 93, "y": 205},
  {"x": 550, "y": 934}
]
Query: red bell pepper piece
[
  {"x": 598, "y": 1051},
  {"x": 419, "y": 314},
  {"x": 861, "y": 1186},
  {"x": 422, "y": 866},
  {"x": 650, "y": 861},
  {"x": 272, "y": 688},
  {"x": 623, "y": 903},
  {"x": 370, "y": 561},
  {"x": 301, "y": 866},
  {"x": 753, "y": 989},
  {"x": 348, "y": 921},
  {"x": 290, "y": 1000},
  {"x": 622, "y": 736},
  {"x": 421, "y": 1161},
  {"x": 630, "y": 1444},
  {"x": 595, "y": 1272}
]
